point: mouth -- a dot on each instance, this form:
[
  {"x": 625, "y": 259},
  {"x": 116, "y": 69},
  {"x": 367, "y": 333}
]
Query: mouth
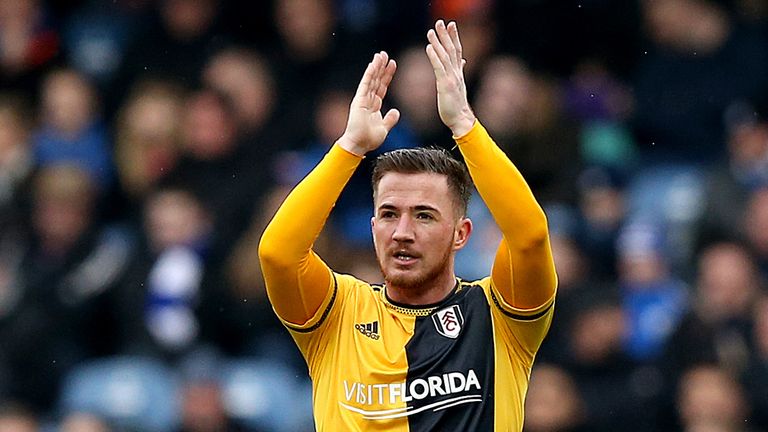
[{"x": 403, "y": 257}]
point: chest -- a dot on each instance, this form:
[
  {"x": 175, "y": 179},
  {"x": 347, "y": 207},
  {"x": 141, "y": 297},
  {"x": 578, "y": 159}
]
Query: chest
[{"x": 447, "y": 347}]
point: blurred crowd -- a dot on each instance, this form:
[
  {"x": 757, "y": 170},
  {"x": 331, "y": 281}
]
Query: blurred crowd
[{"x": 144, "y": 145}]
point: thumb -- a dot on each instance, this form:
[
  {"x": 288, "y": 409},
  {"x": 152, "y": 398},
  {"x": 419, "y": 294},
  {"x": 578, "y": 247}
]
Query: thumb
[{"x": 391, "y": 119}]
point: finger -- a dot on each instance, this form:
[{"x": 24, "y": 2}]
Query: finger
[
  {"x": 375, "y": 79},
  {"x": 365, "y": 82},
  {"x": 364, "y": 88},
  {"x": 391, "y": 119},
  {"x": 453, "y": 31},
  {"x": 437, "y": 65},
  {"x": 445, "y": 40},
  {"x": 381, "y": 75},
  {"x": 389, "y": 74},
  {"x": 376, "y": 103},
  {"x": 437, "y": 45}
]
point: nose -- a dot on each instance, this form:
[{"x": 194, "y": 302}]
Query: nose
[{"x": 403, "y": 230}]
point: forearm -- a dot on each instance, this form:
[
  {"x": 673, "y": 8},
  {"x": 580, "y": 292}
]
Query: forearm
[
  {"x": 296, "y": 279},
  {"x": 524, "y": 274}
]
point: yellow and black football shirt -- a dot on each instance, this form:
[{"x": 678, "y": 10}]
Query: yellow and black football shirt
[{"x": 460, "y": 365}]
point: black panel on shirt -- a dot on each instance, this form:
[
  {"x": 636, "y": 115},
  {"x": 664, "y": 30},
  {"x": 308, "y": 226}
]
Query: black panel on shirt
[{"x": 431, "y": 354}]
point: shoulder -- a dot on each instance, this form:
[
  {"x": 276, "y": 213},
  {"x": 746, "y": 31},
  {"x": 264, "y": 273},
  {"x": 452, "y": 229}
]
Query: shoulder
[
  {"x": 347, "y": 280},
  {"x": 480, "y": 285},
  {"x": 351, "y": 287}
]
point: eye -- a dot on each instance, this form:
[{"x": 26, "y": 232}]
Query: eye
[
  {"x": 387, "y": 214},
  {"x": 424, "y": 216}
]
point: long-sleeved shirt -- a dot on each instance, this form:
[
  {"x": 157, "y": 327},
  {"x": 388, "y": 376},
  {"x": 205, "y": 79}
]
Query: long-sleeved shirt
[{"x": 461, "y": 364}]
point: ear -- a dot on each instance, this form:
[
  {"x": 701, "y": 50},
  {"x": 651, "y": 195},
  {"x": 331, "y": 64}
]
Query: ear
[
  {"x": 462, "y": 233},
  {"x": 373, "y": 225}
]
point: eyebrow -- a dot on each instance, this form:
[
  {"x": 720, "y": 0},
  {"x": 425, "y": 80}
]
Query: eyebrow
[
  {"x": 421, "y": 207},
  {"x": 426, "y": 207}
]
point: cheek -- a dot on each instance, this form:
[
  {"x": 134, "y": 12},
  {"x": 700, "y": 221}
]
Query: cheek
[
  {"x": 442, "y": 238},
  {"x": 378, "y": 235}
]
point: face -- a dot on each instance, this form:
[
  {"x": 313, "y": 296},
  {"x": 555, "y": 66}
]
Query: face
[
  {"x": 68, "y": 102},
  {"x": 416, "y": 230},
  {"x": 209, "y": 131},
  {"x": 174, "y": 218}
]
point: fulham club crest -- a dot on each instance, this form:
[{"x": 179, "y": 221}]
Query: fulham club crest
[{"x": 448, "y": 321}]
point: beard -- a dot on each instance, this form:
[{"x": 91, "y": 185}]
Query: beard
[{"x": 418, "y": 280}]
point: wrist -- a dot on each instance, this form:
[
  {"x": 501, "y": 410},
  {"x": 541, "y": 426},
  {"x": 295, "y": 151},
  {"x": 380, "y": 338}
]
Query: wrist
[
  {"x": 351, "y": 146},
  {"x": 464, "y": 123}
]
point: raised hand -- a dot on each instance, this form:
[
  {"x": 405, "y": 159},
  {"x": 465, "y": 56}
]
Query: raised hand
[
  {"x": 366, "y": 127},
  {"x": 444, "y": 52}
]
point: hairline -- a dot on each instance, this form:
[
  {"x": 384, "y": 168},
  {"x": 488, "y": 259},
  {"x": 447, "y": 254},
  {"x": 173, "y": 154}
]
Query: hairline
[{"x": 459, "y": 188}]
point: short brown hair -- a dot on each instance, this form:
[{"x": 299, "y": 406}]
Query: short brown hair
[{"x": 427, "y": 160}]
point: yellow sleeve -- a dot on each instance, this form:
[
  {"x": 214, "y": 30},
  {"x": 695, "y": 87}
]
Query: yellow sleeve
[
  {"x": 523, "y": 271},
  {"x": 298, "y": 282}
]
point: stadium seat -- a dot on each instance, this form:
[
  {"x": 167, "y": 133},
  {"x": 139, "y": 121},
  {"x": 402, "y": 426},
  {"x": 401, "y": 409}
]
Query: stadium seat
[
  {"x": 132, "y": 393},
  {"x": 266, "y": 396}
]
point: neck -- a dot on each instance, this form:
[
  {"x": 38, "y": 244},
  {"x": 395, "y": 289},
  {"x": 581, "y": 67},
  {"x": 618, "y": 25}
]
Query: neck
[{"x": 429, "y": 292}]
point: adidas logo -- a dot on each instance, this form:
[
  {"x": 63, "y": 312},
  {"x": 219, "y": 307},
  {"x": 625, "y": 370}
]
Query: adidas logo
[{"x": 370, "y": 329}]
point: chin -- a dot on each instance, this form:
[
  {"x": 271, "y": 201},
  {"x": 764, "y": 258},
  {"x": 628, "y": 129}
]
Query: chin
[
  {"x": 405, "y": 281},
  {"x": 412, "y": 279}
]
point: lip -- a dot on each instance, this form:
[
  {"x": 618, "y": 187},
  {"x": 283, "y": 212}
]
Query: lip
[{"x": 405, "y": 262}]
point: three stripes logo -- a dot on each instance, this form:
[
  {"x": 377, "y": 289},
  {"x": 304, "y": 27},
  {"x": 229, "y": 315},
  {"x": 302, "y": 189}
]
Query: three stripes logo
[
  {"x": 370, "y": 329},
  {"x": 448, "y": 321}
]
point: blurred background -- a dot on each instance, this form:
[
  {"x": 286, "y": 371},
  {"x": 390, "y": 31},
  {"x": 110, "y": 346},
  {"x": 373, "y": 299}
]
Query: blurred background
[{"x": 145, "y": 144}]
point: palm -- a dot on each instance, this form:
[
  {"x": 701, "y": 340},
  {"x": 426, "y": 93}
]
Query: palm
[
  {"x": 367, "y": 128},
  {"x": 451, "y": 97},
  {"x": 445, "y": 54},
  {"x": 366, "y": 125}
]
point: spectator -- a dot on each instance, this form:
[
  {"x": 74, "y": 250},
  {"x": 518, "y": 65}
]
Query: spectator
[
  {"x": 71, "y": 130},
  {"x": 755, "y": 222},
  {"x": 17, "y": 418},
  {"x": 175, "y": 298},
  {"x": 710, "y": 399},
  {"x": 681, "y": 97},
  {"x": 29, "y": 44},
  {"x": 15, "y": 160},
  {"x": 553, "y": 403},
  {"x": 96, "y": 35},
  {"x": 176, "y": 42},
  {"x": 83, "y": 422},
  {"x": 202, "y": 395},
  {"x": 478, "y": 30},
  {"x": 63, "y": 286},
  {"x": 602, "y": 205},
  {"x": 717, "y": 328},
  {"x": 731, "y": 182},
  {"x": 414, "y": 93},
  {"x": 217, "y": 166},
  {"x": 246, "y": 79},
  {"x": 654, "y": 299},
  {"x": 680, "y": 105},
  {"x": 617, "y": 394},
  {"x": 521, "y": 110},
  {"x": 602, "y": 104},
  {"x": 756, "y": 377},
  {"x": 147, "y": 134},
  {"x": 313, "y": 53},
  {"x": 165, "y": 289}
]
